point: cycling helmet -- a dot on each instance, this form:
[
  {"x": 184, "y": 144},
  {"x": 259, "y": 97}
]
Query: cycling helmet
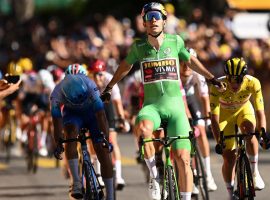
[
  {"x": 56, "y": 72},
  {"x": 98, "y": 66},
  {"x": 74, "y": 89},
  {"x": 154, "y": 6},
  {"x": 14, "y": 69},
  {"x": 76, "y": 69},
  {"x": 192, "y": 52},
  {"x": 26, "y": 63},
  {"x": 235, "y": 67}
]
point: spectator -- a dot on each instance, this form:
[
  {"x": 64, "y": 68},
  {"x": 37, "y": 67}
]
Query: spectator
[{"x": 8, "y": 88}]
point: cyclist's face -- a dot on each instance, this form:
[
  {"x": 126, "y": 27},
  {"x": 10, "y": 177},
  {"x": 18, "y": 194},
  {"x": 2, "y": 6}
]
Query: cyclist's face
[
  {"x": 234, "y": 83},
  {"x": 154, "y": 22},
  {"x": 99, "y": 79}
]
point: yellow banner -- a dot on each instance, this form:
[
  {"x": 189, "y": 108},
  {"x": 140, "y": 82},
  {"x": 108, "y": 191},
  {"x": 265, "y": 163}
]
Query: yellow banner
[{"x": 249, "y": 4}]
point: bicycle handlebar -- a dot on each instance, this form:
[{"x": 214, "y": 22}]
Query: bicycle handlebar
[
  {"x": 82, "y": 138},
  {"x": 240, "y": 135},
  {"x": 165, "y": 141},
  {"x": 221, "y": 145}
]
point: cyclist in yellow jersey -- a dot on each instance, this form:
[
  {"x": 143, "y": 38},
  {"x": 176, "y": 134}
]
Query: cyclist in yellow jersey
[{"x": 233, "y": 106}]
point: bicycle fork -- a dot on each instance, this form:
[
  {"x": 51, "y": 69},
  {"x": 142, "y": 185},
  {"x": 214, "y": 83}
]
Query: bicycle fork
[
  {"x": 87, "y": 159},
  {"x": 169, "y": 167}
]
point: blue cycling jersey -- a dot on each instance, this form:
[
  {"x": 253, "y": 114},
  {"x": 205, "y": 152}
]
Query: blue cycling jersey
[{"x": 93, "y": 102}]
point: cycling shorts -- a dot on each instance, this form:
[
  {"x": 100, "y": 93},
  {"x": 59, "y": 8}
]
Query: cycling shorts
[
  {"x": 228, "y": 119},
  {"x": 169, "y": 109},
  {"x": 86, "y": 119}
]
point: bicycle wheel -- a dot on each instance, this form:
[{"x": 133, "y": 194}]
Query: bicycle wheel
[
  {"x": 8, "y": 141},
  {"x": 245, "y": 188},
  {"x": 250, "y": 190},
  {"x": 200, "y": 176},
  {"x": 32, "y": 151},
  {"x": 170, "y": 190},
  {"x": 92, "y": 187}
]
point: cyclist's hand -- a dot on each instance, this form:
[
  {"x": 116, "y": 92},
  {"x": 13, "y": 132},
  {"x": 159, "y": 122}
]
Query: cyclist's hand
[
  {"x": 108, "y": 145},
  {"x": 106, "y": 94},
  {"x": 122, "y": 125},
  {"x": 265, "y": 142},
  {"x": 221, "y": 86},
  {"x": 58, "y": 151},
  {"x": 219, "y": 149}
]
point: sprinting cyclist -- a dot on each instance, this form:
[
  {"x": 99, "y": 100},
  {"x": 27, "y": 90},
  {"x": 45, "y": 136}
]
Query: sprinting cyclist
[
  {"x": 159, "y": 54},
  {"x": 75, "y": 103},
  {"x": 114, "y": 111},
  {"x": 232, "y": 107},
  {"x": 197, "y": 91}
]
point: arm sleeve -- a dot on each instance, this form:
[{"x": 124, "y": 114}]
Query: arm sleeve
[
  {"x": 183, "y": 54},
  {"x": 257, "y": 94},
  {"x": 132, "y": 56},
  {"x": 116, "y": 92},
  {"x": 55, "y": 101},
  {"x": 201, "y": 83},
  {"x": 214, "y": 101},
  {"x": 55, "y": 108}
]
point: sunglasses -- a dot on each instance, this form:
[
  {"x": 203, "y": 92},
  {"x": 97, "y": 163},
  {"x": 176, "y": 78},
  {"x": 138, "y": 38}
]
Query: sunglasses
[
  {"x": 149, "y": 16},
  {"x": 235, "y": 79}
]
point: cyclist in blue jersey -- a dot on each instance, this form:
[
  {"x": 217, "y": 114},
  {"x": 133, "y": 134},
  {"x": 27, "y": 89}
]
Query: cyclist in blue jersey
[
  {"x": 75, "y": 104},
  {"x": 159, "y": 55}
]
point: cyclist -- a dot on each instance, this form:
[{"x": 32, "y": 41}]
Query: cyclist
[
  {"x": 159, "y": 56},
  {"x": 102, "y": 78},
  {"x": 236, "y": 108},
  {"x": 195, "y": 83},
  {"x": 75, "y": 103}
]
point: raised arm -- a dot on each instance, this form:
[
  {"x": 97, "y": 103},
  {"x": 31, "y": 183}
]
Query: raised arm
[
  {"x": 197, "y": 66},
  {"x": 121, "y": 72}
]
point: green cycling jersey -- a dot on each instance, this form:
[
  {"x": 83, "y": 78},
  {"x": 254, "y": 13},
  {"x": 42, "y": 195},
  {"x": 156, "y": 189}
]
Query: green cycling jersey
[{"x": 161, "y": 76}]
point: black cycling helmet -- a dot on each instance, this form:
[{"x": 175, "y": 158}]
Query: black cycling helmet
[{"x": 236, "y": 68}]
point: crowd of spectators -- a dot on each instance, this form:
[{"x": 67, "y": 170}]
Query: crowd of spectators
[{"x": 56, "y": 41}]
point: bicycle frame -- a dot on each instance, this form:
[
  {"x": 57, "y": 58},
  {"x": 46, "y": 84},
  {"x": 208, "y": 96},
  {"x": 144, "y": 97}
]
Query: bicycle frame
[
  {"x": 166, "y": 142},
  {"x": 241, "y": 157},
  {"x": 94, "y": 184}
]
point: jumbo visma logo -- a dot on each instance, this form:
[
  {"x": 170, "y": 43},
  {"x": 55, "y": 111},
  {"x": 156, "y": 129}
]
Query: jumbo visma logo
[
  {"x": 162, "y": 63},
  {"x": 157, "y": 70}
]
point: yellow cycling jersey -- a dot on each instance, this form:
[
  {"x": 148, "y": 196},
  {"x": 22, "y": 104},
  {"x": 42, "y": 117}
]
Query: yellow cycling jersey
[{"x": 233, "y": 101}]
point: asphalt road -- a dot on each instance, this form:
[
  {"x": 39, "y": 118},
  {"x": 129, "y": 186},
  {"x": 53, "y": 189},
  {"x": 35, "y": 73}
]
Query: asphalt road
[{"x": 50, "y": 184}]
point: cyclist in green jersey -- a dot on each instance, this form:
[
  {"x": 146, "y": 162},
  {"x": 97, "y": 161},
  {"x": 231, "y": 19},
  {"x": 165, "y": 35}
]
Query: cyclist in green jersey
[{"x": 159, "y": 55}]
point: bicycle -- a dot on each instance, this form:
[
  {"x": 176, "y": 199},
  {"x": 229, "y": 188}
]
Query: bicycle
[
  {"x": 170, "y": 186},
  {"x": 199, "y": 174},
  {"x": 31, "y": 146},
  {"x": 245, "y": 186},
  {"x": 198, "y": 170},
  {"x": 8, "y": 133},
  {"x": 91, "y": 186}
]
